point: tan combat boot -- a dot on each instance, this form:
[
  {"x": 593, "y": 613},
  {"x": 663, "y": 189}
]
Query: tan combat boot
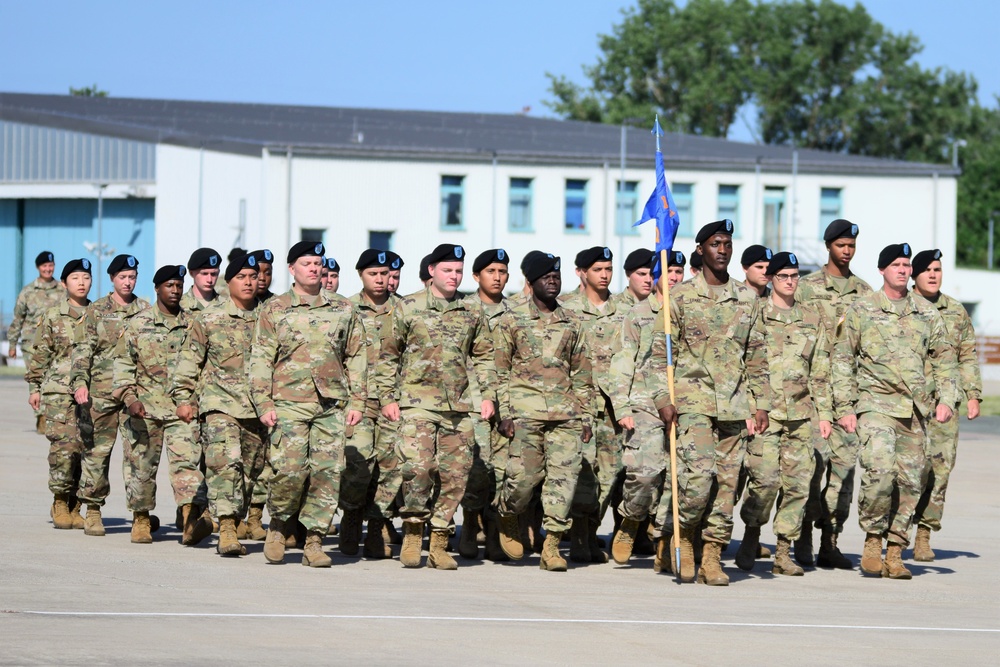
[
  {"x": 687, "y": 538},
  {"x": 241, "y": 529},
  {"x": 749, "y": 548},
  {"x": 763, "y": 552},
  {"x": 93, "y": 525},
  {"x": 413, "y": 538},
  {"x": 141, "y": 533},
  {"x": 711, "y": 568},
  {"x": 438, "y": 556},
  {"x": 197, "y": 524},
  {"x": 468, "y": 540},
  {"x": 78, "y": 521},
  {"x": 829, "y": 554},
  {"x": 61, "y": 517},
  {"x": 390, "y": 534},
  {"x": 510, "y": 536},
  {"x": 491, "y": 525},
  {"x": 551, "y": 560},
  {"x": 350, "y": 532},
  {"x": 312, "y": 552},
  {"x": 229, "y": 541},
  {"x": 594, "y": 543},
  {"x": 661, "y": 555},
  {"x": 375, "y": 545},
  {"x": 871, "y": 557},
  {"x": 893, "y": 567},
  {"x": 783, "y": 563},
  {"x": 804, "y": 547},
  {"x": 624, "y": 540},
  {"x": 922, "y": 551},
  {"x": 255, "y": 523},
  {"x": 274, "y": 545}
]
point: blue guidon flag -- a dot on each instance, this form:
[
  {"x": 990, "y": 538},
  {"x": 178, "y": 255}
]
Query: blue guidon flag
[{"x": 661, "y": 206}]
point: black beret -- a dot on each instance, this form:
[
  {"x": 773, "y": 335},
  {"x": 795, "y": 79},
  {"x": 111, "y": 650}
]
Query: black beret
[
  {"x": 265, "y": 256},
  {"x": 754, "y": 254},
  {"x": 527, "y": 259},
  {"x": 236, "y": 252},
  {"x": 425, "y": 275},
  {"x": 446, "y": 252},
  {"x": 122, "y": 263},
  {"x": 304, "y": 249},
  {"x": 643, "y": 258},
  {"x": 395, "y": 261},
  {"x": 331, "y": 264},
  {"x": 237, "y": 264},
  {"x": 204, "y": 258},
  {"x": 75, "y": 265},
  {"x": 169, "y": 272},
  {"x": 697, "y": 259},
  {"x": 373, "y": 257},
  {"x": 44, "y": 257},
  {"x": 676, "y": 258},
  {"x": 782, "y": 260},
  {"x": 496, "y": 255},
  {"x": 539, "y": 265},
  {"x": 586, "y": 258},
  {"x": 711, "y": 229},
  {"x": 840, "y": 229},
  {"x": 922, "y": 260},
  {"x": 891, "y": 253}
]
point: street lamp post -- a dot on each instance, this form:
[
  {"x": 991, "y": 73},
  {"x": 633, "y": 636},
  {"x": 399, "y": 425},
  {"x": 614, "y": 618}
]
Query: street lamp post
[{"x": 959, "y": 143}]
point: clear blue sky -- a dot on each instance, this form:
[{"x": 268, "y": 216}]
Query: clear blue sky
[{"x": 448, "y": 56}]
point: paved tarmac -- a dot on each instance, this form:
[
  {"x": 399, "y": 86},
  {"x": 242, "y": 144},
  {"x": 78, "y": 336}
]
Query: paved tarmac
[{"x": 69, "y": 599}]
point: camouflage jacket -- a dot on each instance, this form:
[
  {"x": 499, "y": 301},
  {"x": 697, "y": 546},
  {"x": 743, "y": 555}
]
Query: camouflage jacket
[
  {"x": 639, "y": 366},
  {"x": 963, "y": 338},
  {"x": 425, "y": 353},
  {"x": 145, "y": 357},
  {"x": 880, "y": 361},
  {"x": 212, "y": 368},
  {"x": 52, "y": 350},
  {"x": 305, "y": 348},
  {"x": 601, "y": 328},
  {"x": 32, "y": 303},
  {"x": 720, "y": 354},
  {"x": 94, "y": 346},
  {"x": 376, "y": 320},
  {"x": 191, "y": 303},
  {"x": 798, "y": 360},
  {"x": 818, "y": 289},
  {"x": 543, "y": 365}
]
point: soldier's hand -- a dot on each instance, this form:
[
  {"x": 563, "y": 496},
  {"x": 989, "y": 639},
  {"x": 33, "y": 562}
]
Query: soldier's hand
[
  {"x": 12, "y": 352},
  {"x": 81, "y": 396},
  {"x": 586, "y": 433},
  {"x": 627, "y": 423},
  {"x": 487, "y": 410},
  {"x": 668, "y": 415},
  {"x": 761, "y": 421},
  {"x": 391, "y": 412},
  {"x": 137, "y": 410},
  {"x": 35, "y": 400},
  {"x": 943, "y": 413},
  {"x": 973, "y": 408},
  {"x": 825, "y": 429},
  {"x": 849, "y": 423},
  {"x": 185, "y": 413},
  {"x": 506, "y": 427},
  {"x": 354, "y": 417},
  {"x": 269, "y": 418},
  {"x": 751, "y": 427}
]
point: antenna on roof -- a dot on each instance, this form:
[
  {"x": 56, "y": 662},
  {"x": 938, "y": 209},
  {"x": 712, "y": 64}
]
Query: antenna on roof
[{"x": 357, "y": 137}]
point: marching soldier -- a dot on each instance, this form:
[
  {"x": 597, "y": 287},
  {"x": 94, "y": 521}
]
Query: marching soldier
[
  {"x": 754, "y": 262},
  {"x": 675, "y": 267},
  {"x": 265, "y": 273},
  {"x": 891, "y": 342},
  {"x": 696, "y": 263},
  {"x": 330, "y": 275},
  {"x": 395, "y": 271},
  {"x": 203, "y": 265}
]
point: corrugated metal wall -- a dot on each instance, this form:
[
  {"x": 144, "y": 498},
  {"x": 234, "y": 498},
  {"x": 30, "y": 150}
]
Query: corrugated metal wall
[{"x": 33, "y": 154}]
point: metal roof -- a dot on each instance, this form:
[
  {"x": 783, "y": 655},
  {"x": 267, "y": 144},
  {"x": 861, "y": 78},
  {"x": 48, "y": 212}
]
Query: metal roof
[{"x": 380, "y": 133}]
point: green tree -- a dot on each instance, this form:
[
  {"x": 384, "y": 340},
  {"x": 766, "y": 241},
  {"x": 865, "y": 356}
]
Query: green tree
[
  {"x": 88, "y": 91},
  {"x": 979, "y": 189}
]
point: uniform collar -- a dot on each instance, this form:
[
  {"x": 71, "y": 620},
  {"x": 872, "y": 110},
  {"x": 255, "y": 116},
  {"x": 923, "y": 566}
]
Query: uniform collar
[
  {"x": 236, "y": 311},
  {"x": 169, "y": 321},
  {"x": 707, "y": 291},
  {"x": 306, "y": 300},
  {"x": 885, "y": 303},
  {"x": 773, "y": 312}
]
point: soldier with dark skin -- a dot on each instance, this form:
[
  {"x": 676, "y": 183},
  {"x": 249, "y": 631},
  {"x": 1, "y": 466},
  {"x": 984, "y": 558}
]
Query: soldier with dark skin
[{"x": 265, "y": 264}]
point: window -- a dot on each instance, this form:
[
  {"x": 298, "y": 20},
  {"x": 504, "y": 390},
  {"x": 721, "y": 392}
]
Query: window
[
  {"x": 576, "y": 205},
  {"x": 380, "y": 240},
  {"x": 519, "y": 219},
  {"x": 626, "y": 208},
  {"x": 830, "y": 207},
  {"x": 313, "y": 235},
  {"x": 729, "y": 205},
  {"x": 452, "y": 190},
  {"x": 684, "y": 199}
]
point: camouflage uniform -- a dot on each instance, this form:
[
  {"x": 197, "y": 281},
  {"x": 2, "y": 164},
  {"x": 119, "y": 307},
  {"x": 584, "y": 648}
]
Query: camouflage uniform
[
  {"x": 191, "y": 303},
  {"x": 67, "y": 425},
  {"x": 308, "y": 364},
  {"x": 144, "y": 359},
  {"x": 828, "y": 508},
  {"x": 943, "y": 438},
  {"x": 721, "y": 381},
  {"x": 214, "y": 357},
  {"x": 32, "y": 303},
  {"x": 422, "y": 367},
  {"x": 93, "y": 367},
  {"x": 798, "y": 359},
  {"x": 545, "y": 384},
  {"x": 880, "y": 374}
]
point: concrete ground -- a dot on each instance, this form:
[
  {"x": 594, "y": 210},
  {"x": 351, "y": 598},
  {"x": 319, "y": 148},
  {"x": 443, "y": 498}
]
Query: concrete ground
[{"x": 70, "y": 599}]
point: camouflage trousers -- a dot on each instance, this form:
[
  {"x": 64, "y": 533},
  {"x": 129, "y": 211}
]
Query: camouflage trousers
[
  {"x": 257, "y": 489},
  {"x": 942, "y": 450},
  {"x": 235, "y": 453},
  {"x": 645, "y": 459},
  {"x": 602, "y": 461},
  {"x": 835, "y": 460},
  {"x": 144, "y": 440},
  {"x": 107, "y": 418},
  {"x": 779, "y": 460},
  {"x": 488, "y": 463},
  {"x": 709, "y": 456},
  {"x": 434, "y": 446},
  {"x": 549, "y": 452},
  {"x": 69, "y": 431},
  {"x": 370, "y": 460},
  {"x": 892, "y": 474},
  {"x": 307, "y": 460}
]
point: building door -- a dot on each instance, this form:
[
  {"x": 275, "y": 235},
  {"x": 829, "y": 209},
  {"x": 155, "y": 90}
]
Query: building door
[{"x": 774, "y": 216}]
